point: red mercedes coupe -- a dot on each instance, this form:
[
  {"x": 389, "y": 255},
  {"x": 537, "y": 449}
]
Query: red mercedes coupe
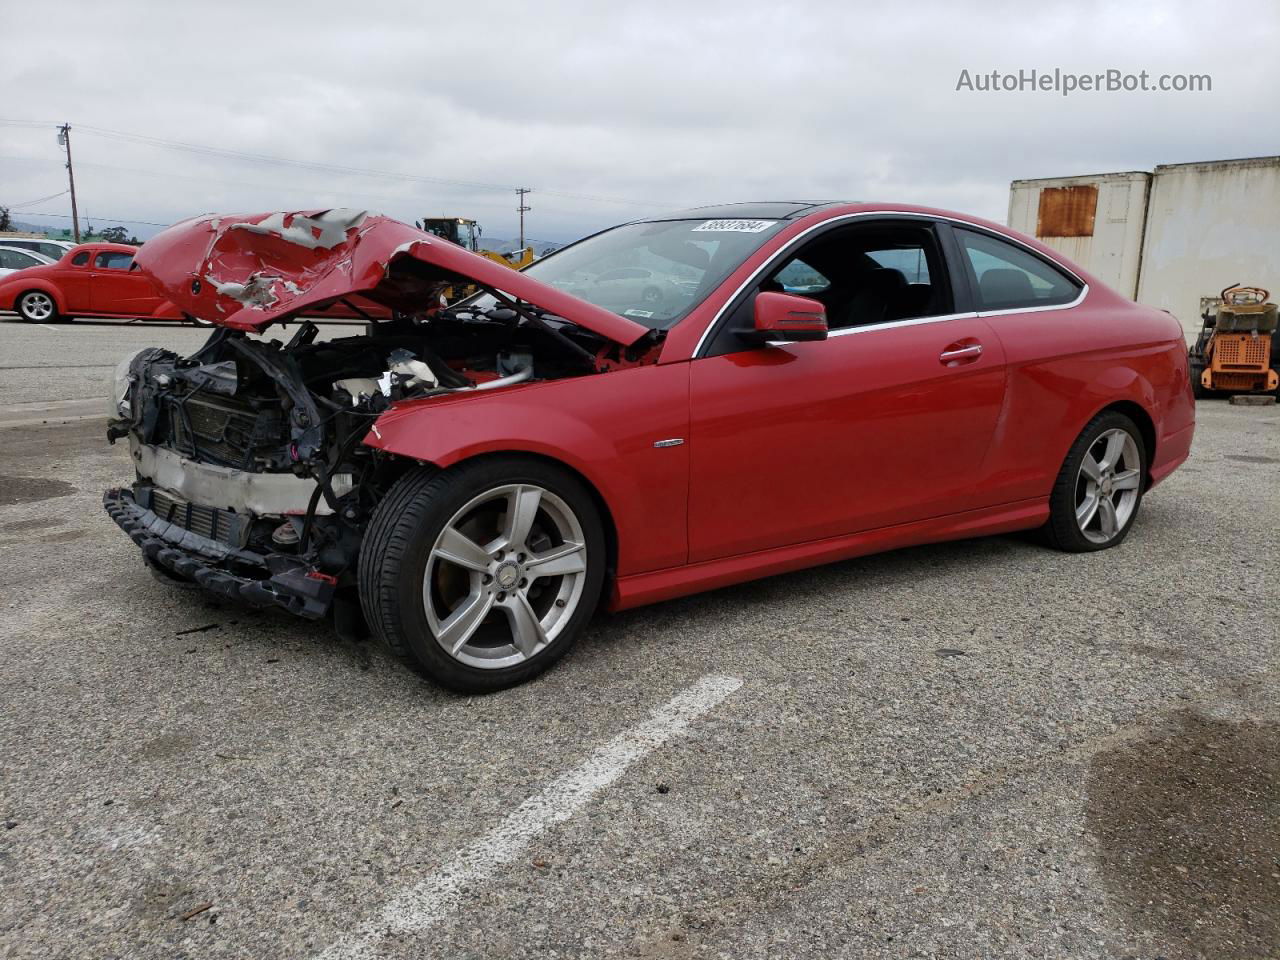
[{"x": 783, "y": 385}]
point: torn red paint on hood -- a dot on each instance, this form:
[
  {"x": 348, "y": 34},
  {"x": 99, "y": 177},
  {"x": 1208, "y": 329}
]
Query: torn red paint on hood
[{"x": 249, "y": 271}]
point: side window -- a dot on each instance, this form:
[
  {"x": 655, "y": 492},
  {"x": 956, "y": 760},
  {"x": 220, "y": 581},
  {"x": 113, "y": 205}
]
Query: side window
[
  {"x": 911, "y": 263},
  {"x": 1006, "y": 277},
  {"x": 865, "y": 275},
  {"x": 80, "y": 259},
  {"x": 798, "y": 277},
  {"x": 113, "y": 260}
]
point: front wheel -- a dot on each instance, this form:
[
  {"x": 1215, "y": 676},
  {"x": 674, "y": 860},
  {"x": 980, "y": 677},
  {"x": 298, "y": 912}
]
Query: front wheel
[
  {"x": 1096, "y": 497},
  {"x": 482, "y": 576},
  {"x": 36, "y": 306}
]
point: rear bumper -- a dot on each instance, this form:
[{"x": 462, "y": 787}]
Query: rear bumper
[
  {"x": 1173, "y": 452},
  {"x": 260, "y": 580}
]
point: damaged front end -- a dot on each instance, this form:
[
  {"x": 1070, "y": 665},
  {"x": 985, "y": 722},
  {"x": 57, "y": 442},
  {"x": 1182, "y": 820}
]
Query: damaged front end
[{"x": 252, "y": 476}]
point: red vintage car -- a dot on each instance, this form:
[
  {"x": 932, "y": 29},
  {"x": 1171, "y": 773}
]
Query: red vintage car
[
  {"x": 811, "y": 382},
  {"x": 90, "y": 280}
]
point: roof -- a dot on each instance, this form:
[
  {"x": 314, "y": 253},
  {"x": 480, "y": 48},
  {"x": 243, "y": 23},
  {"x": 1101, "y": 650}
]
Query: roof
[
  {"x": 104, "y": 245},
  {"x": 750, "y": 210}
]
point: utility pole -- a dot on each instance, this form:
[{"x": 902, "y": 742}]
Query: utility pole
[
  {"x": 64, "y": 139},
  {"x": 522, "y": 210}
]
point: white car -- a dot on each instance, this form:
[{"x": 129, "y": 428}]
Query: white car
[
  {"x": 13, "y": 259},
  {"x": 53, "y": 249}
]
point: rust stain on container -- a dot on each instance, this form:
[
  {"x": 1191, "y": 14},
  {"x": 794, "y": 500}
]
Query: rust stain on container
[{"x": 1067, "y": 211}]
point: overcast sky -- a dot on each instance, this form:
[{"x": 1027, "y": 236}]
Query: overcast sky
[{"x": 661, "y": 105}]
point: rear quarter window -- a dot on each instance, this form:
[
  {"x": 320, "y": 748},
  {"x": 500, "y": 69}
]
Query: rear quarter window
[{"x": 1007, "y": 277}]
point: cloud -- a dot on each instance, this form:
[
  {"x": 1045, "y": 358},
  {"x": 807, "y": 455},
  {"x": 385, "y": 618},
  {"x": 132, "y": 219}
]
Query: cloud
[{"x": 663, "y": 104}]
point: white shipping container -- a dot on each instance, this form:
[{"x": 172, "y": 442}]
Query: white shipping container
[
  {"x": 1171, "y": 239},
  {"x": 1096, "y": 221},
  {"x": 1210, "y": 225}
]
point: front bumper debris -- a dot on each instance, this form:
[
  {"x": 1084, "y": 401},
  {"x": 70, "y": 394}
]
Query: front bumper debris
[{"x": 260, "y": 580}]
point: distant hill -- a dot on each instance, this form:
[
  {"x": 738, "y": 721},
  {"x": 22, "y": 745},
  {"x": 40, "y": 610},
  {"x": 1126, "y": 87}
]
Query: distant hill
[
  {"x": 540, "y": 247},
  {"x": 62, "y": 233},
  {"x": 17, "y": 226}
]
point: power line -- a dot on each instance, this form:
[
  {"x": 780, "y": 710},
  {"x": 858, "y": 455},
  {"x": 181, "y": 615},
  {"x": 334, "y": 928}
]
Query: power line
[
  {"x": 228, "y": 154},
  {"x": 219, "y": 180},
  {"x": 224, "y": 153},
  {"x": 100, "y": 219},
  {"x": 32, "y": 203}
]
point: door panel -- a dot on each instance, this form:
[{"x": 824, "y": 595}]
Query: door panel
[
  {"x": 74, "y": 283},
  {"x": 869, "y": 428},
  {"x": 122, "y": 291}
]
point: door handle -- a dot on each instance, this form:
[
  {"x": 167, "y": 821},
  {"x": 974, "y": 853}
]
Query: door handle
[{"x": 959, "y": 353}]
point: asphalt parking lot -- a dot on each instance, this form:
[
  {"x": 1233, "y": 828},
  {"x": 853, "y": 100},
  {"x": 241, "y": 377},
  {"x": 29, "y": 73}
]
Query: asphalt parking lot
[{"x": 979, "y": 749}]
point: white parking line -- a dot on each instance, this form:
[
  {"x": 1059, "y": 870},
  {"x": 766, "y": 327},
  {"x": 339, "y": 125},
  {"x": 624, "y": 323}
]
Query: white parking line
[
  {"x": 48, "y": 327},
  {"x": 422, "y": 905}
]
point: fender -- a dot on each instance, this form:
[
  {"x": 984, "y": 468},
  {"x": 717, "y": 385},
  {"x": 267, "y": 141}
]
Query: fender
[
  {"x": 1113, "y": 385},
  {"x": 1069, "y": 391},
  {"x": 15, "y": 286},
  {"x": 166, "y": 311},
  {"x": 603, "y": 426}
]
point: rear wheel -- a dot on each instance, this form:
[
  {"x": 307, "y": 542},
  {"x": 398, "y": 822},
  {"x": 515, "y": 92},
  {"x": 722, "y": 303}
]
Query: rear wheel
[
  {"x": 36, "y": 306},
  {"x": 1099, "y": 488},
  {"x": 482, "y": 576}
]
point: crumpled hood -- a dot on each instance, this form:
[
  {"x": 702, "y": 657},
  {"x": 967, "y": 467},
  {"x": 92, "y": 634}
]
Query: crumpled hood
[{"x": 249, "y": 271}]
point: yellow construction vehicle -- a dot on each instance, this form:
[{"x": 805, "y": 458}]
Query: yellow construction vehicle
[
  {"x": 466, "y": 234},
  {"x": 1237, "y": 350}
]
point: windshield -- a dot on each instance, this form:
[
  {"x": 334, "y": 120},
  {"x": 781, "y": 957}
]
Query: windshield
[{"x": 653, "y": 273}]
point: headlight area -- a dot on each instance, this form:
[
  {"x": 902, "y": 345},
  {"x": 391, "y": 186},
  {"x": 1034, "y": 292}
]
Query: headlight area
[{"x": 119, "y": 402}]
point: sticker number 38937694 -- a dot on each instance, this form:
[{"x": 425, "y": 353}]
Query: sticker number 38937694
[{"x": 733, "y": 226}]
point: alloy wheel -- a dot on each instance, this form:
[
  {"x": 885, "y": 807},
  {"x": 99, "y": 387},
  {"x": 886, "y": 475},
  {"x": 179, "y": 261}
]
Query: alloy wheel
[
  {"x": 1107, "y": 485},
  {"x": 505, "y": 576},
  {"x": 37, "y": 306}
]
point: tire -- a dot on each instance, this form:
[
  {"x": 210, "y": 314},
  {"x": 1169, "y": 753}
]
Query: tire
[
  {"x": 418, "y": 601},
  {"x": 1114, "y": 445},
  {"x": 1197, "y": 388},
  {"x": 36, "y": 306}
]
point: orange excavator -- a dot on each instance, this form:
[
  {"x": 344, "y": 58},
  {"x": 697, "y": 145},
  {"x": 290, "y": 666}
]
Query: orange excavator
[{"x": 1237, "y": 350}]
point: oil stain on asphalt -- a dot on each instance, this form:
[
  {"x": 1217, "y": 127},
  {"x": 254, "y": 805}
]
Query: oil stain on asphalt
[
  {"x": 1188, "y": 827},
  {"x": 30, "y": 489}
]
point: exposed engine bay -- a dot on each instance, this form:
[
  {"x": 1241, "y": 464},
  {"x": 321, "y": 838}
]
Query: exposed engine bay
[{"x": 252, "y": 478}]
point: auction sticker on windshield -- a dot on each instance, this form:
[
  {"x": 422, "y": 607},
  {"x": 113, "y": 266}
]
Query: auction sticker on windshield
[{"x": 733, "y": 226}]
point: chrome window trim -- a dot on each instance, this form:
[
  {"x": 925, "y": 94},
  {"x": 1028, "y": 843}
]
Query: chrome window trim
[
  {"x": 887, "y": 325},
  {"x": 1084, "y": 292},
  {"x": 916, "y": 215}
]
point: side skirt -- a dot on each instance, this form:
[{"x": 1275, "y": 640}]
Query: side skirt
[{"x": 642, "y": 588}]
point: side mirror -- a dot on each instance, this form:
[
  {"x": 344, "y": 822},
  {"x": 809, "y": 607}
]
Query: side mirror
[{"x": 786, "y": 317}]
